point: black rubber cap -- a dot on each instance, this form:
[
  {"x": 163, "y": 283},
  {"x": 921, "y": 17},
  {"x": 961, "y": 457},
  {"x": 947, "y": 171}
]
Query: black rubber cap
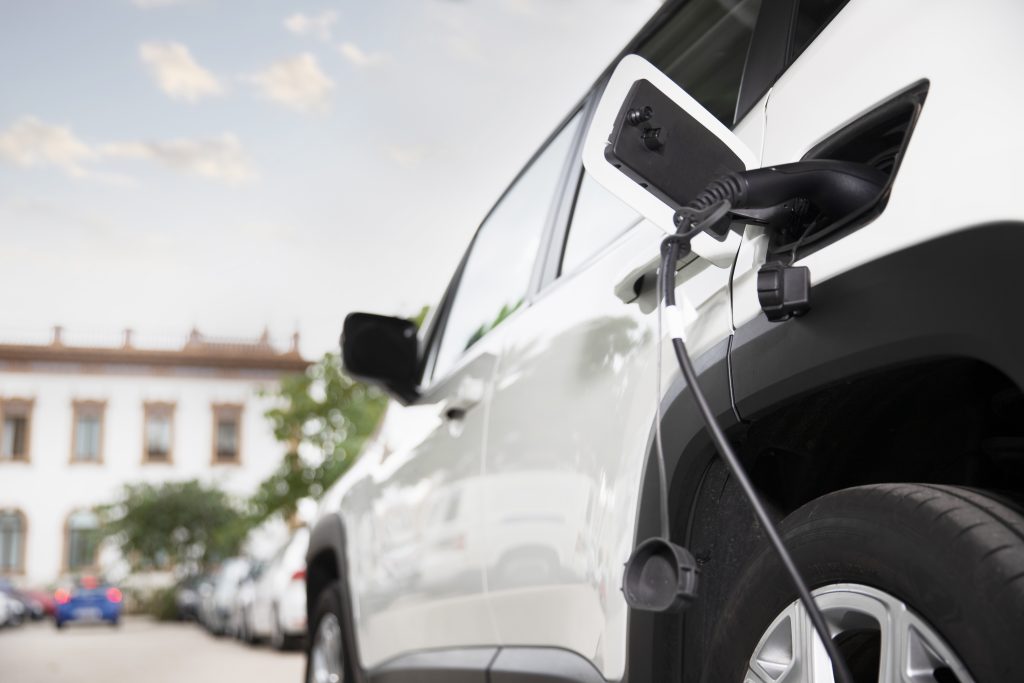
[{"x": 660, "y": 577}]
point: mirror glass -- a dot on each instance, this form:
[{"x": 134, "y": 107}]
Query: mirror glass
[{"x": 382, "y": 350}]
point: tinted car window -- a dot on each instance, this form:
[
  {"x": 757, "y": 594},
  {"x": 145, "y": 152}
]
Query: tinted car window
[
  {"x": 496, "y": 275},
  {"x": 598, "y": 217},
  {"x": 811, "y": 17},
  {"x": 703, "y": 48}
]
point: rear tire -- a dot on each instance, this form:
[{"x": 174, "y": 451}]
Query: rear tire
[
  {"x": 953, "y": 556},
  {"x": 325, "y": 651}
]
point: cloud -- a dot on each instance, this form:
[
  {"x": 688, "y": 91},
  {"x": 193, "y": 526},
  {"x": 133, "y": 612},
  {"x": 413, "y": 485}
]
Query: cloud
[
  {"x": 318, "y": 26},
  {"x": 406, "y": 157},
  {"x": 355, "y": 55},
  {"x": 150, "y": 4},
  {"x": 298, "y": 83},
  {"x": 177, "y": 72},
  {"x": 220, "y": 158},
  {"x": 31, "y": 142}
]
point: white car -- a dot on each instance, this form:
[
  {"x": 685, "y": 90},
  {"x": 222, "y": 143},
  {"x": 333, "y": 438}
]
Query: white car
[
  {"x": 860, "y": 349},
  {"x": 276, "y": 597},
  {"x": 6, "y": 610},
  {"x": 218, "y": 598}
]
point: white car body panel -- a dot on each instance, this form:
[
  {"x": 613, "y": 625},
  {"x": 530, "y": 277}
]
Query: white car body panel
[
  {"x": 575, "y": 398},
  {"x": 970, "y": 53},
  {"x": 415, "y": 589}
]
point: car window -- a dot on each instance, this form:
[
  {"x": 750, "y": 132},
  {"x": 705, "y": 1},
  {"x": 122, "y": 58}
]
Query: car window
[
  {"x": 497, "y": 271},
  {"x": 703, "y": 48},
  {"x": 811, "y": 17},
  {"x": 598, "y": 217}
]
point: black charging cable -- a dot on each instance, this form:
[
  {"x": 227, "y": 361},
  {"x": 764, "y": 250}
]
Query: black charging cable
[{"x": 672, "y": 248}]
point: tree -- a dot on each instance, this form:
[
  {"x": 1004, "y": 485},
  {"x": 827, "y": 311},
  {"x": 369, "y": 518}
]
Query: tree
[
  {"x": 174, "y": 525},
  {"x": 328, "y": 411}
]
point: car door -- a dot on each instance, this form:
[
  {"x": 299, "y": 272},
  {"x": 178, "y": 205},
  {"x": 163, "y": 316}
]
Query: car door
[
  {"x": 575, "y": 393},
  {"x": 416, "y": 521}
]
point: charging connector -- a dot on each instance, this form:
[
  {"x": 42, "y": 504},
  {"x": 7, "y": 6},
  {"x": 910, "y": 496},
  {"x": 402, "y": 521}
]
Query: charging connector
[{"x": 660, "y": 575}]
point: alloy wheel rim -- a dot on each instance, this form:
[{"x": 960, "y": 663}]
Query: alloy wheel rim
[
  {"x": 325, "y": 660},
  {"x": 881, "y": 638}
]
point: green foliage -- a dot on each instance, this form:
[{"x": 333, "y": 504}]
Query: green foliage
[
  {"x": 324, "y": 409},
  {"x": 506, "y": 311},
  {"x": 159, "y": 604},
  {"x": 175, "y": 524}
]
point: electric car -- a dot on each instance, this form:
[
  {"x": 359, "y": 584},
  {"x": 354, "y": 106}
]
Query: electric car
[{"x": 866, "y": 365}]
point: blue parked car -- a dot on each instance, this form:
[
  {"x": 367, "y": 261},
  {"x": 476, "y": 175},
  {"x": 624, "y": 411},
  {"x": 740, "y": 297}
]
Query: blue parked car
[{"x": 89, "y": 599}]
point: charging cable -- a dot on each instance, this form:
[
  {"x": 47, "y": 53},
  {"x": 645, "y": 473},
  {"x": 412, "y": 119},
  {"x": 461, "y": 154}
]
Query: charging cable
[{"x": 672, "y": 248}]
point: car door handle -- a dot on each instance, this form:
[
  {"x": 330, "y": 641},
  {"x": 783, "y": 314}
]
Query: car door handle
[
  {"x": 468, "y": 394},
  {"x": 643, "y": 278}
]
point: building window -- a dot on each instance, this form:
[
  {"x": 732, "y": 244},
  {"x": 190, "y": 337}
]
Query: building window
[
  {"x": 158, "y": 432},
  {"x": 15, "y": 429},
  {"x": 227, "y": 433},
  {"x": 87, "y": 439},
  {"x": 83, "y": 540},
  {"x": 12, "y": 542}
]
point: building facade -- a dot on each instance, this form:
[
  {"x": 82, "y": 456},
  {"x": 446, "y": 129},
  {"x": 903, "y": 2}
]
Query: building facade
[{"x": 79, "y": 421}]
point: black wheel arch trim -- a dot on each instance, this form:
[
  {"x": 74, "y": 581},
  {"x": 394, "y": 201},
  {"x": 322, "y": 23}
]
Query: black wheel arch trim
[
  {"x": 327, "y": 541},
  {"x": 943, "y": 298}
]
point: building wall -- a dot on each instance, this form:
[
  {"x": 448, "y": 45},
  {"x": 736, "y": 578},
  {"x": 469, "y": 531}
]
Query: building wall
[{"x": 49, "y": 487}]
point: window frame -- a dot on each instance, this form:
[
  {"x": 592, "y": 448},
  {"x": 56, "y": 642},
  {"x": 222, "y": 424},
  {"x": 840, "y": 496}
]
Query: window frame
[
  {"x": 435, "y": 336},
  {"x": 227, "y": 409},
  {"x": 19, "y": 569},
  {"x": 152, "y": 409},
  {"x": 18, "y": 407},
  {"x": 772, "y": 51},
  {"x": 66, "y": 563},
  {"x": 82, "y": 407}
]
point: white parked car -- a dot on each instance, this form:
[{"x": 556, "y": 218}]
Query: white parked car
[
  {"x": 6, "y": 610},
  {"x": 218, "y": 598},
  {"x": 275, "y": 599},
  {"x": 863, "y": 354}
]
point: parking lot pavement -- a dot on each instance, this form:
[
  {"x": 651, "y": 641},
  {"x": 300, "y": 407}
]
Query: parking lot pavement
[{"x": 138, "y": 650}]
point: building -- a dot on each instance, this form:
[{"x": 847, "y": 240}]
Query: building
[{"x": 80, "y": 420}]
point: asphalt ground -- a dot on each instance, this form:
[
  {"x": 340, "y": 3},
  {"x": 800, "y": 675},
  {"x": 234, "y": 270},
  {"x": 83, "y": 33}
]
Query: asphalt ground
[{"x": 138, "y": 650}]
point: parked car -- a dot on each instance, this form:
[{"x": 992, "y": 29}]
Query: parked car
[
  {"x": 242, "y": 604},
  {"x": 277, "y": 611},
  {"x": 44, "y": 599},
  {"x": 884, "y": 426},
  {"x": 6, "y": 616},
  {"x": 187, "y": 598},
  {"x": 218, "y": 601},
  {"x": 88, "y": 599},
  {"x": 28, "y": 607}
]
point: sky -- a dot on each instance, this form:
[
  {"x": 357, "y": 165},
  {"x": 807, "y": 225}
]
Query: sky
[{"x": 239, "y": 164}]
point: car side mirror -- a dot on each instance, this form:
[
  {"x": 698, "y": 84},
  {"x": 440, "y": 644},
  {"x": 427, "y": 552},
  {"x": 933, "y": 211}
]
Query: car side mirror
[
  {"x": 655, "y": 147},
  {"x": 384, "y": 351}
]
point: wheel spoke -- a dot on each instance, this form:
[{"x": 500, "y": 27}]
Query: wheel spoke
[{"x": 907, "y": 649}]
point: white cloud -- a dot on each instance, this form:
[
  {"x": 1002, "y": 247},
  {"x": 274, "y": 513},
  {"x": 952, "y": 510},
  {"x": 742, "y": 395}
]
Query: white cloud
[
  {"x": 355, "y": 54},
  {"x": 319, "y": 26},
  {"x": 150, "y": 4},
  {"x": 220, "y": 158},
  {"x": 177, "y": 73},
  {"x": 298, "y": 83},
  {"x": 31, "y": 142},
  {"x": 406, "y": 157}
]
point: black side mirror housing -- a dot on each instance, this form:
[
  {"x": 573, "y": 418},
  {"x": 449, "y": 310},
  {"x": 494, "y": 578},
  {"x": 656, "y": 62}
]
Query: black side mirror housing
[{"x": 384, "y": 351}]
